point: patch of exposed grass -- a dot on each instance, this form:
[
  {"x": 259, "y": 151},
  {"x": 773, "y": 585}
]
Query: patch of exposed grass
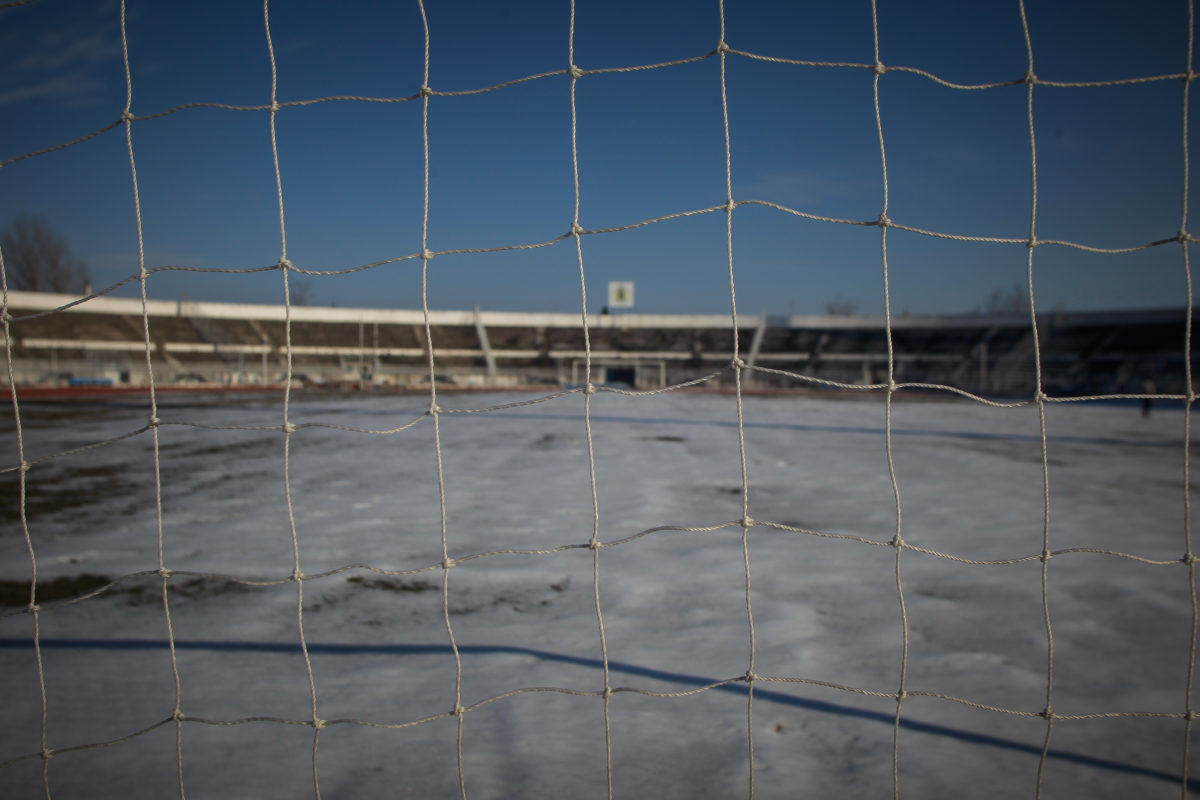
[
  {"x": 48, "y": 493},
  {"x": 391, "y": 584},
  {"x": 191, "y": 588},
  {"x": 16, "y": 593},
  {"x": 147, "y": 590}
]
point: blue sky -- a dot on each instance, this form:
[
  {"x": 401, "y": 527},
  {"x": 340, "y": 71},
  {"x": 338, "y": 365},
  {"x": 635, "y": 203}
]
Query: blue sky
[{"x": 650, "y": 143}]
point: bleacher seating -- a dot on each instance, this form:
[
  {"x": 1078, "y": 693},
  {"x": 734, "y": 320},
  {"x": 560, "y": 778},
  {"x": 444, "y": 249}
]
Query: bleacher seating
[{"x": 225, "y": 344}]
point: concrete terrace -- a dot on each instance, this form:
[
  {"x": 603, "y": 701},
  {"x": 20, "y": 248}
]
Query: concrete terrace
[{"x": 103, "y": 340}]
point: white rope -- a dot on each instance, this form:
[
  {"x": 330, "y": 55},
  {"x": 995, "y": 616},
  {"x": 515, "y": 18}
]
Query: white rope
[
  {"x": 288, "y": 428},
  {"x": 1189, "y": 557},
  {"x": 143, "y": 275},
  {"x": 594, "y": 542},
  {"x": 736, "y": 371}
]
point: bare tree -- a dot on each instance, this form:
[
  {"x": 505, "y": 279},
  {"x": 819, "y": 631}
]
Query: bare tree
[
  {"x": 300, "y": 290},
  {"x": 1005, "y": 302},
  {"x": 37, "y": 259},
  {"x": 841, "y": 306}
]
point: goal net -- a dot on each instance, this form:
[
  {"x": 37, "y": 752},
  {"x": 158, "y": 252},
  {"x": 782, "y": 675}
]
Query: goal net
[{"x": 599, "y": 589}]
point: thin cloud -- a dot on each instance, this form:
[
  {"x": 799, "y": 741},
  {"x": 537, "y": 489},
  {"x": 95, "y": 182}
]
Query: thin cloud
[
  {"x": 70, "y": 86},
  {"x": 63, "y": 63},
  {"x": 70, "y": 48}
]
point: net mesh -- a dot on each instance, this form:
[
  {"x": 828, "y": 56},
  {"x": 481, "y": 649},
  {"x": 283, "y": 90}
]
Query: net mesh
[{"x": 445, "y": 568}]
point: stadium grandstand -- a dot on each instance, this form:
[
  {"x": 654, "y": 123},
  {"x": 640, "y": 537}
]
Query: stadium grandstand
[{"x": 101, "y": 342}]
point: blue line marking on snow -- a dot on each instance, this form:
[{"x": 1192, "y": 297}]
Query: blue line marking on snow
[{"x": 769, "y": 695}]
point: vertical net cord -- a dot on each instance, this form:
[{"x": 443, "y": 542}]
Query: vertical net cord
[
  {"x": 897, "y": 539},
  {"x": 288, "y": 428},
  {"x": 1189, "y": 557},
  {"x": 1040, "y": 397},
  {"x": 594, "y": 542},
  {"x": 435, "y": 412},
  {"x": 746, "y": 523},
  {"x": 33, "y": 609},
  {"x": 163, "y": 572}
]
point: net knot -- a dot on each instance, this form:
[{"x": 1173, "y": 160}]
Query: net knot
[
  {"x": 33, "y": 608},
  {"x": 425, "y": 91},
  {"x": 1190, "y": 76},
  {"x": 722, "y": 48},
  {"x": 289, "y": 427},
  {"x": 434, "y": 410},
  {"x": 297, "y": 575},
  {"x": 1046, "y": 713},
  {"x": 590, "y": 388},
  {"x": 1190, "y": 716},
  {"x": 878, "y": 68},
  {"x": 25, "y": 465},
  {"x": 1032, "y": 242},
  {"x": 575, "y": 72},
  {"x": 163, "y": 572},
  {"x": 284, "y": 264},
  {"x": 901, "y": 696},
  {"x": 747, "y": 523},
  {"x": 1182, "y": 237},
  {"x": 729, "y": 206},
  {"x": 177, "y": 715},
  {"x": 154, "y": 422},
  {"x": 884, "y": 222},
  {"x": 1045, "y": 556},
  {"x": 1189, "y": 559},
  {"x": 318, "y": 723},
  {"x": 607, "y": 693},
  {"x": 449, "y": 563},
  {"x": 458, "y": 710},
  {"x": 48, "y": 754},
  {"x": 749, "y": 677},
  {"x": 1030, "y": 78},
  {"x": 595, "y": 544},
  {"x": 898, "y": 541},
  {"x": 126, "y": 116},
  {"x": 737, "y": 363},
  {"x": 1040, "y": 397},
  {"x": 426, "y": 255},
  {"x": 576, "y": 229},
  {"x": 274, "y": 107}
]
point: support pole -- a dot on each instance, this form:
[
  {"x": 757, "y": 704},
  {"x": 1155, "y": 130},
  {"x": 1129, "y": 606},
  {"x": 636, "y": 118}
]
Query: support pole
[
  {"x": 488, "y": 356},
  {"x": 756, "y": 343}
]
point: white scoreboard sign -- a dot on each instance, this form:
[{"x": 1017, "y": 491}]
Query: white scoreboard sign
[{"x": 620, "y": 294}]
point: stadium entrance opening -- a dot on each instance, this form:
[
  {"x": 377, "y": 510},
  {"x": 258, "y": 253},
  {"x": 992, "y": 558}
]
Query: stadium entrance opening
[{"x": 621, "y": 375}]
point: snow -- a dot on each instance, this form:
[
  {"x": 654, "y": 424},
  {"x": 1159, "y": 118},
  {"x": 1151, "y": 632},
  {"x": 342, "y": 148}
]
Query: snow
[{"x": 825, "y": 609}]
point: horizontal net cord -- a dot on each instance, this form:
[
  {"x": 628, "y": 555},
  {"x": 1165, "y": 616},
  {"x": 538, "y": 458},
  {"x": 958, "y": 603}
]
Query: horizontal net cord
[
  {"x": 429, "y": 255},
  {"x": 49, "y": 753},
  {"x": 882, "y": 68},
  {"x": 577, "y": 72},
  {"x": 114, "y": 584},
  {"x": 293, "y": 427},
  {"x": 941, "y": 387},
  {"x": 27, "y": 465},
  {"x": 897, "y": 389},
  {"x": 734, "y": 683}
]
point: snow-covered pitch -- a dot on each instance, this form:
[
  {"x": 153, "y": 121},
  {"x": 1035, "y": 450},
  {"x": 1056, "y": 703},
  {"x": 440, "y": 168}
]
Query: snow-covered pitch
[{"x": 825, "y": 605}]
